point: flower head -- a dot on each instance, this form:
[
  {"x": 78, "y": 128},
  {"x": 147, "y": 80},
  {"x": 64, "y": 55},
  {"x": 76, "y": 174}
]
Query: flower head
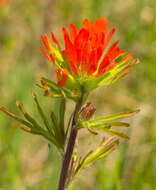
[{"x": 86, "y": 61}]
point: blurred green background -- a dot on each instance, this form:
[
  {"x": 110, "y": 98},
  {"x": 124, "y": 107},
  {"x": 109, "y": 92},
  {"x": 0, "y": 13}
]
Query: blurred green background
[{"x": 26, "y": 163}]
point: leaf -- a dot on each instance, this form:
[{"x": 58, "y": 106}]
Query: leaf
[
  {"x": 43, "y": 117},
  {"x": 48, "y": 94},
  {"x": 52, "y": 139},
  {"x": 17, "y": 118},
  {"x": 102, "y": 151},
  {"x": 57, "y": 92},
  {"x": 98, "y": 126},
  {"x": 81, "y": 162},
  {"x": 27, "y": 116},
  {"x": 114, "y": 116},
  {"x": 105, "y": 127},
  {"x": 53, "y": 119},
  {"x": 31, "y": 128},
  {"x": 107, "y": 152},
  {"x": 55, "y": 126},
  {"x": 59, "y": 124},
  {"x": 108, "y": 125},
  {"x": 92, "y": 131},
  {"x": 118, "y": 134},
  {"x": 50, "y": 82}
]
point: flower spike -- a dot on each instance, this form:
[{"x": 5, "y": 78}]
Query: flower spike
[{"x": 84, "y": 58}]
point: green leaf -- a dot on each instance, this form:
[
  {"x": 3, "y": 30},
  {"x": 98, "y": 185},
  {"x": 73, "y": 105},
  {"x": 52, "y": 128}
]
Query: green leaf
[
  {"x": 56, "y": 127},
  {"x": 105, "y": 127},
  {"x": 114, "y": 116},
  {"x": 47, "y": 135},
  {"x": 103, "y": 150},
  {"x": 53, "y": 119},
  {"x": 31, "y": 128},
  {"x": 27, "y": 116},
  {"x": 108, "y": 125},
  {"x": 102, "y": 125},
  {"x": 49, "y": 82},
  {"x": 51, "y": 139},
  {"x": 17, "y": 118},
  {"x": 59, "y": 124},
  {"x": 59, "y": 91},
  {"x": 43, "y": 117}
]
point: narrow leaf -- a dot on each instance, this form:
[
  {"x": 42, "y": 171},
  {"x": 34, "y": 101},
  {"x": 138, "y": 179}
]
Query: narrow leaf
[
  {"x": 27, "y": 116},
  {"x": 45, "y": 121},
  {"x": 115, "y": 116},
  {"x": 108, "y": 125},
  {"x": 53, "y": 86},
  {"x": 30, "y": 128},
  {"x": 100, "y": 152},
  {"x": 118, "y": 134},
  {"x": 55, "y": 125},
  {"x": 92, "y": 131},
  {"x": 17, "y": 118}
]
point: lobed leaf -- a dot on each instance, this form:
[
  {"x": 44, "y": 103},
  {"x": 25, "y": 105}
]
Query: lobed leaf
[{"x": 31, "y": 127}]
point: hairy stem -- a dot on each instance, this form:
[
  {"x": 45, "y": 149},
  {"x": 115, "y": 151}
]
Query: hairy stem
[{"x": 70, "y": 146}]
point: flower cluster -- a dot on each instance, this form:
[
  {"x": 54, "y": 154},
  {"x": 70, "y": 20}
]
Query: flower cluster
[{"x": 86, "y": 60}]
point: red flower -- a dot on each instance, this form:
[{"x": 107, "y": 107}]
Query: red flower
[{"x": 85, "y": 53}]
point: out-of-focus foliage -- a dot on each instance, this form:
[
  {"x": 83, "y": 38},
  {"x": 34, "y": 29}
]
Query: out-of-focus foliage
[{"x": 26, "y": 161}]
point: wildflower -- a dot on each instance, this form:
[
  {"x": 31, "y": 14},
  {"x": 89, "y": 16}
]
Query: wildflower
[{"x": 85, "y": 62}]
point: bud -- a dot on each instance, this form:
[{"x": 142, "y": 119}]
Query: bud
[{"x": 87, "y": 111}]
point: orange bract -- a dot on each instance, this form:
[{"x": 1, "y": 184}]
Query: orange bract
[{"x": 84, "y": 50}]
